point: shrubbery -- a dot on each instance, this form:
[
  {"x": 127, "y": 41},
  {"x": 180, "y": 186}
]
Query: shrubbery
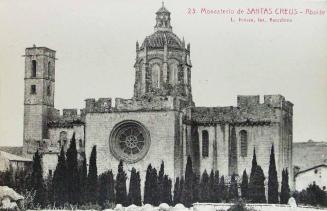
[
  {"x": 88, "y": 190},
  {"x": 313, "y": 195}
]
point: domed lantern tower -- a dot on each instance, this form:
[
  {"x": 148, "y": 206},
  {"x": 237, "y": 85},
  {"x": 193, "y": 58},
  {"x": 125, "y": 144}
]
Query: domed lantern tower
[{"x": 163, "y": 65}]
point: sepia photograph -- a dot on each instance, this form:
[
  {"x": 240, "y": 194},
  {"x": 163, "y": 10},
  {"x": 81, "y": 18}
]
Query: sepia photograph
[{"x": 189, "y": 105}]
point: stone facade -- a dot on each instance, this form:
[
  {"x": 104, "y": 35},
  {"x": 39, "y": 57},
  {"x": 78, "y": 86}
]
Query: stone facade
[{"x": 160, "y": 122}]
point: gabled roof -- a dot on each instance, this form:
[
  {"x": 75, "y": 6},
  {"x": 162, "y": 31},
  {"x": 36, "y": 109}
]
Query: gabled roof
[
  {"x": 309, "y": 169},
  {"x": 13, "y": 157}
]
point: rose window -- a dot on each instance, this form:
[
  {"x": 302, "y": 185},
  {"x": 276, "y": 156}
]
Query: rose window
[{"x": 129, "y": 141}]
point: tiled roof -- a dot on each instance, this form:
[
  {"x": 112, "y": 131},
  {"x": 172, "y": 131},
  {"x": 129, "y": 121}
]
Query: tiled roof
[
  {"x": 230, "y": 114},
  {"x": 159, "y": 38},
  {"x": 13, "y": 157},
  {"x": 12, "y": 150}
]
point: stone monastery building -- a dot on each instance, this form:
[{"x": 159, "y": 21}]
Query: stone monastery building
[{"x": 160, "y": 122}]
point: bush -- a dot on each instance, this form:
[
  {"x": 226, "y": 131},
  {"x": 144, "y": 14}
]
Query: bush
[{"x": 313, "y": 195}]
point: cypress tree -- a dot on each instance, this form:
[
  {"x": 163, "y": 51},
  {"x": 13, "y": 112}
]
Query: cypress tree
[
  {"x": 216, "y": 191},
  {"x": 285, "y": 189},
  {"x": 181, "y": 186},
  {"x": 134, "y": 188},
  {"x": 73, "y": 191},
  {"x": 83, "y": 181},
  {"x": 138, "y": 197},
  {"x": 272, "y": 179},
  {"x": 154, "y": 188},
  {"x": 233, "y": 189},
  {"x": 166, "y": 190},
  {"x": 121, "y": 192},
  {"x": 92, "y": 178},
  {"x": 254, "y": 164},
  {"x": 176, "y": 191},
  {"x": 204, "y": 188},
  {"x": 160, "y": 181},
  {"x": 59, "y": 179},
  {"x": 211, "y": 186},
  {"x": 49, "y": 189},
  {"x": 147, "y": 186},
  {"x": 37, "y": 182},
  {"x": 106, "y": 188},
  {"x": 253, "y": 169},
  {"x": 258, "y": 186},
  {"x": 187, "y": 192},
  {"x": 223, "y": 189},
  {"x": 196, "y": 188},
  {"x": 244, "y": 185}
]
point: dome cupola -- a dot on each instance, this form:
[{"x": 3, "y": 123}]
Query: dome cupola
[{"x": 163, "y": 65}]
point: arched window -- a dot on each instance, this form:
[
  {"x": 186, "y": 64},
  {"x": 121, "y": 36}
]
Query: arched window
[
  {"x": 156, "y": 76},
  {"x": 49, "y": 69},
  {"x": 244, "y": 143},
  {"x": 205, "y": 143},
  {"x": 80, "y": 143},
  {"x": 172, "y": 73},
  {"x": 33, "y": 68}
]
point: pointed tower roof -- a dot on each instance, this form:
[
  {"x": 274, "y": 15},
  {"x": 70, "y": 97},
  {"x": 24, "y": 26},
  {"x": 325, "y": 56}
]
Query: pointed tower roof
[{"x": 163, "y": 9}]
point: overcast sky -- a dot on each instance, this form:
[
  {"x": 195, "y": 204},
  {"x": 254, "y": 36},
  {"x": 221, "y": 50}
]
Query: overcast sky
[{"x": 95, "y": 44}]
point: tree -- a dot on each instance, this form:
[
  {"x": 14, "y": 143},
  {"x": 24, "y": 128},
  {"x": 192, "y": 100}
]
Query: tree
[
  {"x": 73, "y": 191},
  {"x": 160, "y": 181},
  {"x": 134, "y": 194},
  {"x": 187, "y": 192},
  {"x": 272, "y": 179},
  {"x": 244, "y": 186},
  {"x": 223, "y": 189},
  {"x": 204, "y": 188},
  {"x": 257, "y": 188},
  {"x": 49, "y": 189},
  {"x": 147, "y": 188},
  {"x": 233, "y": 189},
  {"x": 154, "y": 188},
  {"x": 254, "y": 164},
  {"x": 166, "y": 190},
  {"x": 59, "y": 180},
  {"x": 285, "y": 189},
  {"x": 196, "y": 188},
  {"x": 181, "y": 186},
  {"x": 176, "y": 199},
  {"x": 37, "y": 182},
  {"x": 251, "y": 193},
  {"x": 121, "y": 192},
  {"x": 216, "y": 191},
  {"x": 106, "y": 188},
  {"x": 312, "y": 195},
  {"x": 92, "y": 178},
  {"x": 211, "y": 185},
  {"x": 83, "y": 181}
]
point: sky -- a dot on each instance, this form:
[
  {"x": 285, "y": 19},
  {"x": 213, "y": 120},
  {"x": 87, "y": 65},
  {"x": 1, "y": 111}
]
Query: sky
[{"x": 95, "y": 44}]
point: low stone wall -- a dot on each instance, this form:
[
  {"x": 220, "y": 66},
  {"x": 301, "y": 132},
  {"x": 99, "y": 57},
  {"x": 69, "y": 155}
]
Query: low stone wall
[
  {"x": 257, "y": 207},
  {"x": 214, "y": 207}
]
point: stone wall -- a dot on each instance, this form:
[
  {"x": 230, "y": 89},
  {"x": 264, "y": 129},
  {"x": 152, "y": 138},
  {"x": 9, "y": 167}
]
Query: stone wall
[
  {"x": 317, "y": 175},
  {"x": 154, "y": 103},
  {"x": 161, "y": 126},
  {"x": 49, "y": 163}
]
